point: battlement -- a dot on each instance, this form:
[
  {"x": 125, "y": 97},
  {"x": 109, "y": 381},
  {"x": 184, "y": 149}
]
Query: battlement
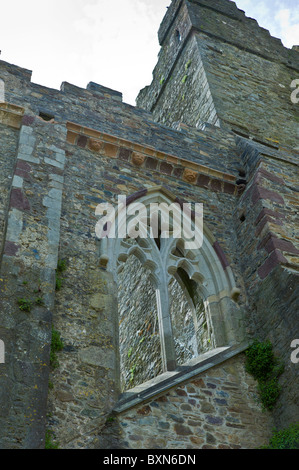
[
  {"x": 228, "y": 8},
  {"x": 98, "y": 91},
  {"x": 223, "y": 20},
  {"x": 9, "y": 70},
  {"x": 93, "y": 107},
  {"x": 218, "y": 66},
  {"x": 68, "y": 102}
]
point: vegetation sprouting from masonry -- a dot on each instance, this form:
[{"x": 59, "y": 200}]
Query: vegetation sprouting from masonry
[{"x": 266, "y": 368}]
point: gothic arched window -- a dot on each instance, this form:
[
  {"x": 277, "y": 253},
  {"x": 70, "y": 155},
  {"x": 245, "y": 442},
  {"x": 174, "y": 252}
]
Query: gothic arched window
[{"x": 174, "y": 301}]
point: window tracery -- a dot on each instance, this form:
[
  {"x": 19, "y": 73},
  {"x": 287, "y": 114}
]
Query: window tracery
[{"x": 196, "y": 322}]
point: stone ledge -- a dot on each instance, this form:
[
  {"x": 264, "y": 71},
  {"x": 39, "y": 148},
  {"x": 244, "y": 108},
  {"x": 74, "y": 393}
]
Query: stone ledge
[
  {"x": 164, "y": 382},
  {"x": 107, "y": 92},
  {"x": 11, "y": 115},
  {"x": 114, "y": 147}
]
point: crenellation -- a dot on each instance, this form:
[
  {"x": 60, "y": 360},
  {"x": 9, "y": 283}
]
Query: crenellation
[
  {"x": 168, "y": 20},
  {"x": 245, "y": 69},
  {"x": 99, "y": 89}
]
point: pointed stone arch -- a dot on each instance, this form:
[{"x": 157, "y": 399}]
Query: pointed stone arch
[{"x": 207, "y": 266}]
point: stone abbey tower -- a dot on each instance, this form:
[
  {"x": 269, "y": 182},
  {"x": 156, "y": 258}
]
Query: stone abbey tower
[{"x": 154, "y": 333}]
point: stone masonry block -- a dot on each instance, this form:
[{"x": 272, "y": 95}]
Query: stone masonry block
[
  {"x": 10, "y": 248},
  {"x": 18, "y": 200},
  {"x": 17, "y": 181},
  {"x": 28, "y": 158},
  {"x": 283, "y": 245},
  {"x": 274, "y": 259},
  {"x": 52, "y": 162},
  {"x": 110, "y": 150},
  {"x": 264, "y": 193},
  {"x": 99, "y": 301}
]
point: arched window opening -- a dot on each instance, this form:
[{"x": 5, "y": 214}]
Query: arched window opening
[
  {"x": 183, "y": 327},
  {"x": 139, "y": 340},
  {"x": 191, "y": 324},
  {"x": 174, "y": 301}
]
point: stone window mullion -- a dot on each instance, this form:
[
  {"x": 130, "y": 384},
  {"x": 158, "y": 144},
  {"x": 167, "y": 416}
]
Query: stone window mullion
[{"x": 165, "y": 328}]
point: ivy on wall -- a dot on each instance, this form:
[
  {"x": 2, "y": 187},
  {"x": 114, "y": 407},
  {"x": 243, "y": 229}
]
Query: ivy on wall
[
  {"x": 262, "y": 364},
  {"x": 285, "y": 439}
]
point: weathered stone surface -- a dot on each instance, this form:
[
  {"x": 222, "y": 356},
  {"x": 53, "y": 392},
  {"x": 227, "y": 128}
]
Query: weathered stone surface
[
  {"x": 274, "y": 259},
  {"x": 194, "y": 81},
  {"x": 216, "y": 422}
]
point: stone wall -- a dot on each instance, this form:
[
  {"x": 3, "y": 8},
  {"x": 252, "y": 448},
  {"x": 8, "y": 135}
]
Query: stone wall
[
  {"x": 52, "y": 216},
  {"x": 140, "y": 347},
  {"x": 8, "y": 148},
  {"x": 190, "y": 322},
  {"x": 216, "y": 410},
  {"x": 249, "y": 85},
  {"x": 216, "y": 73},
  {"x": 182, "y": 92},
  {"x": 28, "y": 283}
]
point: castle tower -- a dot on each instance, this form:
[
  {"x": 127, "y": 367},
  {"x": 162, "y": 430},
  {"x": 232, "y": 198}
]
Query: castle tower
[{"x": 218, "y": 66}]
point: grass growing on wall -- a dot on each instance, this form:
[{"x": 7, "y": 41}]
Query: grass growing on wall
[
  {"x": 25, "y": 305},
  {"x": 56, "y": 345},
  {"x": 49, "y": 443},
  {"x": 285, "y": 439},
  {"x": 61, "y": 267}
]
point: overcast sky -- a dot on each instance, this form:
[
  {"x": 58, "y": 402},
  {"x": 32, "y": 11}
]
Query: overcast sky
[{"x": 111, "y": 42}]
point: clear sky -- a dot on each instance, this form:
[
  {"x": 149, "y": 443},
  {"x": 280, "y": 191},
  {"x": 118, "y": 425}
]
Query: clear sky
[{"x": 111, "y": 42}]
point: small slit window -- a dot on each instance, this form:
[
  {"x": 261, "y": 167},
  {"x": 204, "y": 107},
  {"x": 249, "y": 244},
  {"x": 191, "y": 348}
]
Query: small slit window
[{"x": 178, "y": 36}]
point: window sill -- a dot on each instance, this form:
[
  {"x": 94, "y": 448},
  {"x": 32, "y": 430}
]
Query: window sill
[{"x": 164, "y": 382}]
